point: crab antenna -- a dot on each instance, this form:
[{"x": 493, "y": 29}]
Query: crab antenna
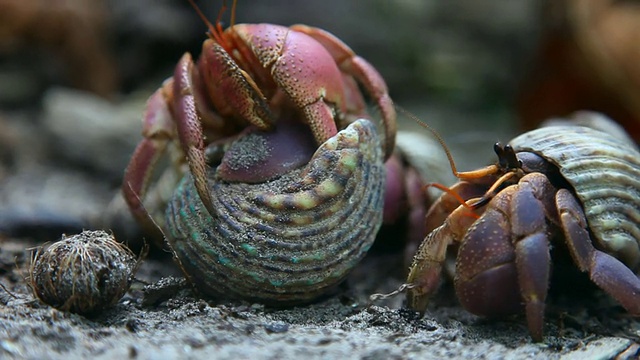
[
  {"x": 466, "y": 175},
  {"x": 215, "y": 31},
  {"x": 435, "y": 134},
  {"x": 233, "y": 13},
  {"x": 210, "y": 26},
  {"x": 219, "y": 18}
]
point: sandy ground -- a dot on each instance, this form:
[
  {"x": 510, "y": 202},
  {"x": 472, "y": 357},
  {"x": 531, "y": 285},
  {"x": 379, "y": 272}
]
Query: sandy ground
[
  {"x": 456, "y": 64},
  {"x": 162, "y": 318}
]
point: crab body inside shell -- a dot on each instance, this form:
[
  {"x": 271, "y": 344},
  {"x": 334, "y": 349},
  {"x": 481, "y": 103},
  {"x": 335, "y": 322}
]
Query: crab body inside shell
[
  {"x": 295, "y": 199},
  {"x": 570, "y": 187}
]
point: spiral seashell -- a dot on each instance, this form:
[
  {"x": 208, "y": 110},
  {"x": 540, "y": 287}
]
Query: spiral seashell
[
  {"x": 286, "y": 240},
  {"x": 594, "y": 120},
  {"x": 605, "y": 174}
]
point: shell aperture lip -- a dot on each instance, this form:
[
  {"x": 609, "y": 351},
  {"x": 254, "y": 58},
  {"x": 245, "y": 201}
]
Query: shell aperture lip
[{"x": 288, "y": 239}]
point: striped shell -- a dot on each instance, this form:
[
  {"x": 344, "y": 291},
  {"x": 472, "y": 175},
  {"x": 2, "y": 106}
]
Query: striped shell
[
  {"x": 605, "y": 174},
  {"x": 287, "y": 240}
]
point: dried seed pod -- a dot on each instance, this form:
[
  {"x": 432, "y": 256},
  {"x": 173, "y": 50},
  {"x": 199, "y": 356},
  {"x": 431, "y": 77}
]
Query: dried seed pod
[{"x": 82, "y": 273}]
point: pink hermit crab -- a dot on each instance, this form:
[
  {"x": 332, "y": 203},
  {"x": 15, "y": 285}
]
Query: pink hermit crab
[{"x": 282, "y": 169}]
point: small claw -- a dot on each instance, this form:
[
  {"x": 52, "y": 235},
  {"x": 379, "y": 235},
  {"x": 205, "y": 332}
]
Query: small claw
[
  {"x": 231, "y": 89},
  {"x": 448, "y": 202},
  {"x": 425, "y": 271}
]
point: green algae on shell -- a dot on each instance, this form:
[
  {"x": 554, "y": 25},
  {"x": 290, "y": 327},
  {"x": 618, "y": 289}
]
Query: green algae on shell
[{"x": 289, "y": 239}]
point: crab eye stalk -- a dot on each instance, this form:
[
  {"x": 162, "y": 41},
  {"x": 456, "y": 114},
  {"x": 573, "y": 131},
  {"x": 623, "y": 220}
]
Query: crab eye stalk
[{"x": 507, "y": 158}]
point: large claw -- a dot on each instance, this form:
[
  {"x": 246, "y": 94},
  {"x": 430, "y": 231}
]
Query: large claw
[
  {"x": 504, "y": 260},
  {"x": 363, "y": 72},
  {"x": 302, "y": 69}
]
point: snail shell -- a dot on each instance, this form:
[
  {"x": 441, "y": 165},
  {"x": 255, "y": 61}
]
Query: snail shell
[
  {"x": 594, "y": 120},
  {"x": 605, "y": 175},
  {"x": 290, "y": 239}
]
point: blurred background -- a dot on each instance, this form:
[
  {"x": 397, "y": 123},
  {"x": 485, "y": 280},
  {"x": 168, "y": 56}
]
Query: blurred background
[{"x": 75, "y": 75}]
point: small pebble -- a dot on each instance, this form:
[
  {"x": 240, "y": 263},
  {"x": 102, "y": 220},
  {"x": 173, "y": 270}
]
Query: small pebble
[{"x": 276, "y": 328}]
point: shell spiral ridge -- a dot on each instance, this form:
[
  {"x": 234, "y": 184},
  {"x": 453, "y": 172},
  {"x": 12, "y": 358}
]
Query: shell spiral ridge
[
  {"x": 289, "y": 239},
  {"x": 605, "y": 174}
]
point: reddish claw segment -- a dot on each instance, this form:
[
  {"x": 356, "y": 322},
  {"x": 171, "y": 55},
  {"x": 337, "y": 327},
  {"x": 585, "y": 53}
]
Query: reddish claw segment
[
  {"x": 254, "y": 74},
  {"x": 363, "y": 72}
]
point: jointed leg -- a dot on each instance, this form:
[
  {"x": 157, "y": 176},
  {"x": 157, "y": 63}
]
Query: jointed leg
[
  {"x": 157, "y": 130},
  {"x": 609, "y": 273}
]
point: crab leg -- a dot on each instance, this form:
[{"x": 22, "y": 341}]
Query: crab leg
[
  {"x": 189, "y": 127},
  {"x": 607, "y": 272},
  {"x": 533, "y": 257},
  {"x": 157, "y": 130}
]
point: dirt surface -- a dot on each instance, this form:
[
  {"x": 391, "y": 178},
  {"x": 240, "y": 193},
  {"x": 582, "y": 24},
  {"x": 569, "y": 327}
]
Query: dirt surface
[
  {"x": 161, "y": 318},
  {"x": 456, "y": 64}
]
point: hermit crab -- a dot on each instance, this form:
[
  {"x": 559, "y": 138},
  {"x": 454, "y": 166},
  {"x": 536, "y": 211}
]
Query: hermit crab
[
  {"x": 282, "y": 188},
  {"x": 555, "y": 188}
]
